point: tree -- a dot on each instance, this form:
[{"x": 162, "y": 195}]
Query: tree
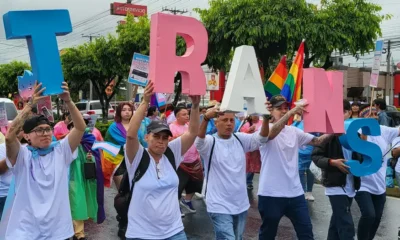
[
  {"x": 8, "y": 76},
  {"x": 276, "y": 27},
  {"x": 101, "y": 63}
]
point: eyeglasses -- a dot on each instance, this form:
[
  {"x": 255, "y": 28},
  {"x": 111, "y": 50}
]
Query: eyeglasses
[{"x": 42, "y": 131}]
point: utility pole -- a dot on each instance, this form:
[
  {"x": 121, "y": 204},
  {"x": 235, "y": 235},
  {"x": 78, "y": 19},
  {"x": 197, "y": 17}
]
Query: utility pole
[
  {"x": 174, "y": 11},
  {"x": 90, "y": 82},
  {"x": 389, "y": 80}
]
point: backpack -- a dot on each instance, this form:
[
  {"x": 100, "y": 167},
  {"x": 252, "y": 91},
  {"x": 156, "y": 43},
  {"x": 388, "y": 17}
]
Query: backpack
[
  {"x": 124, "y": 196},
  {"x": 209, "y": 161},
  {"x": 391, "y": 121}
]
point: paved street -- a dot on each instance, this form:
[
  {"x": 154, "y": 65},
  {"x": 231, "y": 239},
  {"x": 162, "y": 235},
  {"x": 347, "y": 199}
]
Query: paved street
[{"x": 198, "y": 226}]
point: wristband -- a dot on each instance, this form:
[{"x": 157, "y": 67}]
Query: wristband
[
  {"x": 330, "y": 162},
  {"x": 266, "y": 117}
]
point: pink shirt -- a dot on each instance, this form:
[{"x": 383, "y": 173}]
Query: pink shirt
[
  {"x": 177, "y": 130},
  {"x": 60, "y": 129},
  {"x": 97, "y": 135}
]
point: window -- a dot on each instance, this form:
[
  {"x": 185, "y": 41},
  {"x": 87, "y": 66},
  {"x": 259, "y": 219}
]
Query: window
[
  {"x": 81, "y": 106},
  {"x": 95, "y": 106},
  {"x": 11, "y": 111}
]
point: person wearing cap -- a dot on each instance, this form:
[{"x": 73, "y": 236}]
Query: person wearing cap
[
  {"x": 154, "y": 210},
  {"x": 224, "y": 155},
  {"x": 280, "y": 191},
  {"x": 93, "y": 130},
  {"x": 41, "y": 208}
]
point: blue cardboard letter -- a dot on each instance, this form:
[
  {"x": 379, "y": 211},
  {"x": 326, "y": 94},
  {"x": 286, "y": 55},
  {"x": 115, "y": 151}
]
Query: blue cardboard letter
[
  {"x": 372, "y": 154},
  {"x": 40, "y": 29}
]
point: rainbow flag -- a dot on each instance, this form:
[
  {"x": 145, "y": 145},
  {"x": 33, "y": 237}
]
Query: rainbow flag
[
  {"x": 275, "y": 83},
  {"x": 292, "y": 88}
]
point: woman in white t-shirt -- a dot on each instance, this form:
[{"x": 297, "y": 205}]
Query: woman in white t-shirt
[
  {"x": 371, "y": 197},
  {"x": 154, "y": 211},
  {"x": 41, "y": 208}
]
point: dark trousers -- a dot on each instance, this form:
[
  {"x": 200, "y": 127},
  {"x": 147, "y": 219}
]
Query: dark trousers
[
  {"x": 272, "y": 209},
  {"x": 371, "y": 207},
  {"x": 187, "y": 183},
  {"x": 341, "y": 226}
]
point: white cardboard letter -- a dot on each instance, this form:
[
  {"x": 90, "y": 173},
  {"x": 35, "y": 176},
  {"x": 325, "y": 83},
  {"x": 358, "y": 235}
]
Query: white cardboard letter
[{"x": 244, "y": 84}]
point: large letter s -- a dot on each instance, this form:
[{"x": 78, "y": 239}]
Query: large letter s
[{"x": 371, "y": 152}]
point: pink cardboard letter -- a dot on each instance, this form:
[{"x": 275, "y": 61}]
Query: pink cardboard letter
[
  {"x": 163, "y": 60},
  {"x": 324, "y": 94}
]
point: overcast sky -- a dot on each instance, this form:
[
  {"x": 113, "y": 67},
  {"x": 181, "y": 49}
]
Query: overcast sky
[{"x": 92, "y": 17}]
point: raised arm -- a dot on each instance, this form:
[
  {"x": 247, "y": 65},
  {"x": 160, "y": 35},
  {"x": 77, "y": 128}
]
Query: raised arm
[
  {"x": 76, "y": 134},
  {"x": 188, "y": 138},
  {"x": 132, "y": 140},
  {"x": 281, "y": 123},
  {"x": 12, "y": 142},
  {"x": 211, "y": 113}
]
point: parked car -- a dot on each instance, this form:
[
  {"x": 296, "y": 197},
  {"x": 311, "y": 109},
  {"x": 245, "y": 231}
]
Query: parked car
[
  {"x": 94, "y": 107},
  {"x": 11, "y": 111},
  {"x": 392, "y": 112}
]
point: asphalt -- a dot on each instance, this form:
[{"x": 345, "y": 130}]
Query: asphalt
[{"x": 199, "y": 227}]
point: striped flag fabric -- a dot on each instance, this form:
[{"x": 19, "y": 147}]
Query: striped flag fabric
[
  {"x": 275, "y": 83},
  {"x": 292, "y": 88}
]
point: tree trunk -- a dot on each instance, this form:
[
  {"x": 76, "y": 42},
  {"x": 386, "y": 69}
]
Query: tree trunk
[
  {"x": 328, "y": 63},
  {"x": 178, "y": 90},
  {"x": 308, "y": 61},
  {"x": 105, "y": 110}
]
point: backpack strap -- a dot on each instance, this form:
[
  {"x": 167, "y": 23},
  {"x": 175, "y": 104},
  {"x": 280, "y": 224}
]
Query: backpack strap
[
  {"x": 141, "y": 170},
  {"x": 171, "y": 158},
  {"x": 238, "y": 139},
  {"x": 209, "y": 164}
]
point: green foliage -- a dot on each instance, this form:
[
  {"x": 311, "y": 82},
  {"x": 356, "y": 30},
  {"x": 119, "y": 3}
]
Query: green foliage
[
  {"x": 276, "y": 27},
  {"x": 8, "y": 76},
  {"x": 103, "y": 127}
]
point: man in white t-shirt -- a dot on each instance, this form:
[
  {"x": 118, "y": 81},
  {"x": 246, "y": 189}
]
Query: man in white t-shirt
[
  {"x": 340, "y": 185},
  {"x": 226, "y": 191},
  {"x": 396, "y": 154},
  {"x": 280, "y": 191},
  {"x": 41, "y": 208},
  {"x": 371, "y": 197}
]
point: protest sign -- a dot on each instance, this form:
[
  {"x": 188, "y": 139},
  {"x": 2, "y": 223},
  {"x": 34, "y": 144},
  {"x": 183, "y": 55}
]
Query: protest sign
[
  {"x": 323, "y": 91},
  {"x": 372, "y": 154},
  {"x": 212, "y": 82},
  {"x": 26, "y": 85},
  {"x": 40, "y": 28},
  {"x": 163, "y": 60},
  {"x": 377, "y": 64},
  {"x": 244, "y": 84},
  {"x": 44, "y": 108},
  {"x": 3, "y": 115},
  {"x": 139, "y": 72}
]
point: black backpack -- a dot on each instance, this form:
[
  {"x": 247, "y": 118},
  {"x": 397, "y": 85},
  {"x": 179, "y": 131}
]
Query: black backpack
[{"x": 124, "y": 196}]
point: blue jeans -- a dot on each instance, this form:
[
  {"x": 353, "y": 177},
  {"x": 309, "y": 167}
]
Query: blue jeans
[
  {"x": 272, "y": 209},
  {"x": 178, "y": 236},
  {"x": 2, "y": 203},
  {"x": 306, "y": 179},
  {"x": 371, "y": 208},
  {"x": 249, "y": 178},
  {"x": 341, "y": 226},
  {"x": 228, "y": 227}
]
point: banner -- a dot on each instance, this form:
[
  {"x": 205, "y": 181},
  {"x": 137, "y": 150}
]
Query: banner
[
  {"x": 377, "y": 63},
  {"x": 139, "y": 71},
  {"x": 212, "y": 82},
  {"x": 3, "y": 115},
  {"x": 44, "y": 108}
]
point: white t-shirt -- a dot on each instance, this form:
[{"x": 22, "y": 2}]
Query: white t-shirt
[
  {"x": 226, "y": 189},
  {"x": 348, "y": 189},
  {"x": 376, "y": 183},
  {"x": 41, "y": 208},
  {"x": 154, "y": 209},
  {"x": 279, "y": 176},
  {"x": 5, "y": 178},
  {"x": 396, "y": 144}
]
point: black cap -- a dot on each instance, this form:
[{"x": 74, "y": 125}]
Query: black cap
[
  {"x": 158, "y": 126},
  {"x": 33, "y": 122},
  {"x": 277, "y": 100}
]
